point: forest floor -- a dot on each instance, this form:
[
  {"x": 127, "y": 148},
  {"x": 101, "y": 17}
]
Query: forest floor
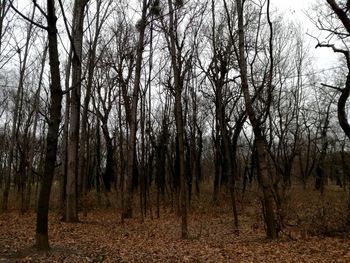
[{"x": 101, "y": 237}]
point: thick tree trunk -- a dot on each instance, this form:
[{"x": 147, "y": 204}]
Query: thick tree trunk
[
  {"x": 345, "y": 93},
  {"x": 343, "y": 121},
  {"x": 265, "y": 181},
  {"x": 342, "y": 115},
  {"x": 42, "y": 242}
]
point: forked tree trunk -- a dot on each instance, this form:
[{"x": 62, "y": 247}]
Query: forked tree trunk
[{"x": 260, "y": 142}]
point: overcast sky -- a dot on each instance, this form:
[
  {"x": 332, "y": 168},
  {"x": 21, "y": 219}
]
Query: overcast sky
[
  {"x": 296, "y": 10},
  {"x": 293, "y": 5}
]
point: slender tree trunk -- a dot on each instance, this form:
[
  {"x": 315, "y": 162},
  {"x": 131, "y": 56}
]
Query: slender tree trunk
[
  {"x": 41, "y": 239},
  {"x": 98, "y": 163},
  {"x": 128, "y": 206},
  {"x": 83, "y": 171},
  {"x": 74, "y": 121},
  {"x": 143, "y": 170},
  {"x": 64, "y": 149},
  {"x": 217, "y": 160},
  {"x": 183, "y": 189},
  {"x": 4, "y": 8},
  {"x": 180, "y": 132}
]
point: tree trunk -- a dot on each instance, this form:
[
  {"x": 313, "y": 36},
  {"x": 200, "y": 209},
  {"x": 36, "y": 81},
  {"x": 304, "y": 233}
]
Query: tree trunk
[
  {"x": 109, "y": 168},
  {"x": 180, "y": 131},
  {"x": 345, "y": 92},
  {"x": 217, "y": 160},
  {"x": 260, "y": 142},
  {"x": 64, "y": 147},
  {"x": 128, "y": 206},
  {"x": 265, "y": 177},
  {"x": 42, "y": 241},
  {"x": 74, "y": 121}
]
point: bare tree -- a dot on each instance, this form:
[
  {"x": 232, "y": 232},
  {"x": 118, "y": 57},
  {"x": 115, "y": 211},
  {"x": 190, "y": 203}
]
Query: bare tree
[
  {"x": 54, "y": 118},
  {"x": 341, "y": 14},
  {"x": 74, "y": 120},
  {"x": 340, "y": 28},
  {"x": 131, "y": 162},
  {"x": 260, "y": 140},
  {"x": 17, "y": 109},
  {"x": 6, "y": 33},
  {"x": 101, "y": 15},
  {"x": 177, "y": 30},
  {"x": 106, "y": 96},
  {"x": 36, "y": 113}
]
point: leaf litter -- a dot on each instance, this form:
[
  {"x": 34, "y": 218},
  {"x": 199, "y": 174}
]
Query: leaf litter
[{"x": 101, "y": 237}]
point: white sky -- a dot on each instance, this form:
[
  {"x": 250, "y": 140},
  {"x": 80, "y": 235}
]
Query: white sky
[
  {"x": 293, "y": 5},
  {"x": 296, "y": 10}
]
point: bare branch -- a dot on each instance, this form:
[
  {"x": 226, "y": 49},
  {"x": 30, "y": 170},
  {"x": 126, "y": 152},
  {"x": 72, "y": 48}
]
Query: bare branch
[
  {"x": 332, "y": 87},
  {"x": 340, "y": 13},
  {"x": 39, "y": 8},
  {"x": 26, "y": 18},
  {"x": 65, "y": 20},
  {"x": 337, "y": 50}
]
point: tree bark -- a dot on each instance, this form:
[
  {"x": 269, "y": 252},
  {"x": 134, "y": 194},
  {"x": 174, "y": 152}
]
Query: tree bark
[
  {"x": 345, "y": 92},
  {"x": 180, "y": 132},
  {"x": 128, "y": 206},
  {"x": 260, "y": 142},
  {"x": 41, "y": 239},
  {"x": 74, "y": 121}
]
